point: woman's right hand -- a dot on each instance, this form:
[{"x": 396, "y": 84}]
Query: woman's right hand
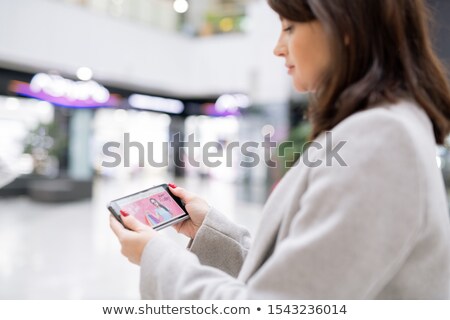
[{"x": 195, "y": 206}]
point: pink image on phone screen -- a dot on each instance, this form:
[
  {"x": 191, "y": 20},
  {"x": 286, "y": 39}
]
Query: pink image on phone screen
[{"x": 154, "y": 208}]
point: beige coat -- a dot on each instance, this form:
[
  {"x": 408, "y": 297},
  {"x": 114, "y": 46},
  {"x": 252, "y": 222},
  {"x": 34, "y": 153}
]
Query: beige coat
[{"x": 377, "y": 228}]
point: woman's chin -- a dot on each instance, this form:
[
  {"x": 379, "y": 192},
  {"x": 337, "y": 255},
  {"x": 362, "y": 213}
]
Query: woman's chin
[{"x": 302, "y": 87}]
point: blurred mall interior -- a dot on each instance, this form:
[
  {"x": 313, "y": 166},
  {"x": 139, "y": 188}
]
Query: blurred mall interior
[{"x": 76, "y": 75}]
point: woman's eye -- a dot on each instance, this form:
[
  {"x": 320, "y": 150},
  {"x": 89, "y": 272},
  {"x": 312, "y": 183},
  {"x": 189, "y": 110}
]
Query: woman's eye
[{"x": 288, "y": 29}]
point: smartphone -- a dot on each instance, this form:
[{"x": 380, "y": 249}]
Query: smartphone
[{"x": 156, "y": 207}]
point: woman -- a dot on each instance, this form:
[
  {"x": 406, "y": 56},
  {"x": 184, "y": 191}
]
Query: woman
[
  {"x": 373, "y": 227},
  {"x": 160, "y": 214}
]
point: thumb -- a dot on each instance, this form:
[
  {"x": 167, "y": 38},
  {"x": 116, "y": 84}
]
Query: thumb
[{"x": 132, "y": 223}]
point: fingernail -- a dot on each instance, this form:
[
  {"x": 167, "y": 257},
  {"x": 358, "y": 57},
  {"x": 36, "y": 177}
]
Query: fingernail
[
  {"x": 172, "y": 185},
  {"x": 124, "y": 213}
]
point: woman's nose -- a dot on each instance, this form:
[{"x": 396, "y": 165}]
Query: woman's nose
[{"x": 279, "y": 50}]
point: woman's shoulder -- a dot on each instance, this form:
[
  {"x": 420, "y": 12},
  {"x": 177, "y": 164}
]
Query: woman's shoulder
[
  {"x": 404, "y": 117},
  {"x": 402, "y": 127},
  {"x": 391, "y": 135}
]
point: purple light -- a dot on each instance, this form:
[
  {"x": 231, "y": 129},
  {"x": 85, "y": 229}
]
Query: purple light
[
  {"x": 211, "y": 110},
  {"x": 24, "y": 89}
]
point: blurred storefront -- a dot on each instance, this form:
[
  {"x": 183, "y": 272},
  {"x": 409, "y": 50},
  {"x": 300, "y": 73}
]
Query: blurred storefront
[{"x": 57, "y": 126}]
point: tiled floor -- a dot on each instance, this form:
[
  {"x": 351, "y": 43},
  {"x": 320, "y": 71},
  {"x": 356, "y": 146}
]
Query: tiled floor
[{"x": 67, "y": 251}]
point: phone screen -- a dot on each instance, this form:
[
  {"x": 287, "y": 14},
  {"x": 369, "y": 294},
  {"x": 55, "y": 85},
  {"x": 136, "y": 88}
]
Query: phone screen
[{"x": 154, "y": 207}]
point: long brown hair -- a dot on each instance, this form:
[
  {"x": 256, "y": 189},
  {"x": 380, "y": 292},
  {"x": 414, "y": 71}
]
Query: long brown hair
[{"x": 389, "y": 55}]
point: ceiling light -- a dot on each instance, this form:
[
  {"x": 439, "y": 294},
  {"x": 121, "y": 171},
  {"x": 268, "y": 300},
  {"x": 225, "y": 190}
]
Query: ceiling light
[
  {"x": 180, "y": 6},
  {"x": 84, "y": 74}
]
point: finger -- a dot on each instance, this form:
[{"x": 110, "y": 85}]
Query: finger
[
  {"x": 178, "y": 226},
  {"x": 182, "y": 193},
  {"x": 133, "y": 224},
  {"x": 116, "y": 226}
]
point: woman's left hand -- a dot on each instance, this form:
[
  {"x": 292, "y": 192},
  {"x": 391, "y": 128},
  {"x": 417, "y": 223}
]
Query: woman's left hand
[{"x": 133, "y": 241}]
